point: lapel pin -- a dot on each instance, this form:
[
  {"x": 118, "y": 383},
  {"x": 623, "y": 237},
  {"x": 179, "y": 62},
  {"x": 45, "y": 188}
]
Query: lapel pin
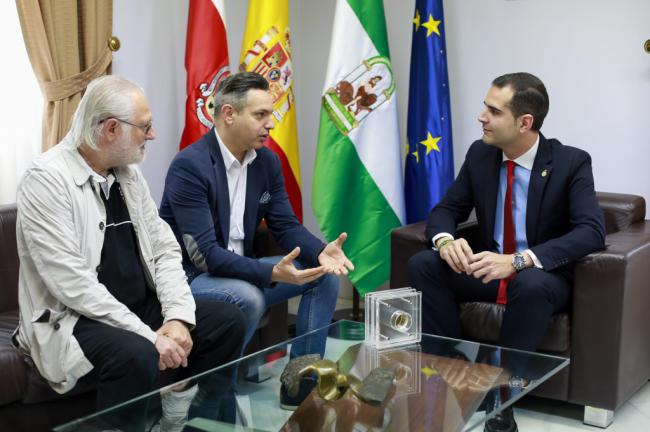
[{"x": 544, "y": 173}]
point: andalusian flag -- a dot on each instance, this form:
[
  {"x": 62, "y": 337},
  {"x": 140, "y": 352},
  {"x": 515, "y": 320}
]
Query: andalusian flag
[
  {"x": 266, "y": 49},
  {"x": 358, "y": 172}
]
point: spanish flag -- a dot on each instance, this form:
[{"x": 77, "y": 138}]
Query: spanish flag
[{"x": 266, "y": 49}]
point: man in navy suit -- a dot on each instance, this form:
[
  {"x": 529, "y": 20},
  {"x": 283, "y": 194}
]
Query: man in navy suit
[
  {"x": 554, "y": 220},
  {"x": 218, "y": 190}
]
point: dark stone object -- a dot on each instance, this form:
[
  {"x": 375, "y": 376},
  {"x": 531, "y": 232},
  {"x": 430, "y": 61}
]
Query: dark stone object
[
  {"x": 290, "y": 377},
  {"x": 374, "y": 388}
]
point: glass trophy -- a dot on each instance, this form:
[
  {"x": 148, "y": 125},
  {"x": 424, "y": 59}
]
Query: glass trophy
[{"x": 393, "y": 317}]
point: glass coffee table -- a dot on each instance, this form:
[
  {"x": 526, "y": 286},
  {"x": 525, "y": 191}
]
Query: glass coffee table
[{"x": 440, "y": 384}]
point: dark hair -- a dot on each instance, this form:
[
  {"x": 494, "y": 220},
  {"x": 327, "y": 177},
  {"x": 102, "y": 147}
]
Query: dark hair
[
  {"x": 234, "y": 89},
  {"x": 530, "y": 96}
]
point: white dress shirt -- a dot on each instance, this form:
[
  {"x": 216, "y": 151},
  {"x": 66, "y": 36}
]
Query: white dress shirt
[{"x": 236, "y": 173}]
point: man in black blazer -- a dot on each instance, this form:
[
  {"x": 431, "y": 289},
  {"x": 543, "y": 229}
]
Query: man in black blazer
[
  {"x": 219, "y": 189},
  {"x": 554, "y": 219}
]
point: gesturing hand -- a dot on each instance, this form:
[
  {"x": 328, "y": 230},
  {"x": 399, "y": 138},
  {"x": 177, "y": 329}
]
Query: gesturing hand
[
  {"x": 333, "y": 258},
  {"x": 285, "y": 271},
  {"x": 457, "y": 254}
]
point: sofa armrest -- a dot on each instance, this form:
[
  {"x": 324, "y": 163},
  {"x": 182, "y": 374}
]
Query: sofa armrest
[
  {"x": 611, "y": 320},
  {"x": 405, "y": 242},
  {"x": 620, "y": 210}
]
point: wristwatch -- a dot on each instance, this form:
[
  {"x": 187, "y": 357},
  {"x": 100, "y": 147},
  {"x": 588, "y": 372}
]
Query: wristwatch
[{"x": 519, "y": 262}]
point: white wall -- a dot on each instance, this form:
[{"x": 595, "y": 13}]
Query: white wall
[
  {"x": 588, "y": 52},
  {"x": 153, "y": 45},
  {"x": 21, "y": 111},
  {"x": 152, "y": 33}
]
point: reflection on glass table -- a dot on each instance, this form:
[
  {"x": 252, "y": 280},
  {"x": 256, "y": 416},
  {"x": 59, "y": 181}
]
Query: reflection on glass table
[{"x": 440, "y": 384}]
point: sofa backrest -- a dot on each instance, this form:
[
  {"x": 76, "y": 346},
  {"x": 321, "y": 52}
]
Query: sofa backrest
[
  {"x": 620, "y": 210},
  {"x": 8, "y": 259}
]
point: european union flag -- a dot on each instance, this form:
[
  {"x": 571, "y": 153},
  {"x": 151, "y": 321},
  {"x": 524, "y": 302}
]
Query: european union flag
[{"x": 430, "y": 158}]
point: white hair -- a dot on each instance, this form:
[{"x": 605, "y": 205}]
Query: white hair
[{"x": 108, "y": 96}]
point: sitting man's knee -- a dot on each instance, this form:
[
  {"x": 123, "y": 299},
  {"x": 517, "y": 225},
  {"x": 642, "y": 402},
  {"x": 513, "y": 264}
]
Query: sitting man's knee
[
  {"x": 330, "y": 283},
  {"x": 138, "y": 355},
  {"x": 217, "y": 312},
  {"x": 527, "y": 285}
]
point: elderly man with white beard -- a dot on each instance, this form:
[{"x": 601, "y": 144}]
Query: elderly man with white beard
[{"x": 102, "y": 292}]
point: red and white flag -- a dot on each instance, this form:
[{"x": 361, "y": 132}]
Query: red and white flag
[{"x": 206, "y": 63}]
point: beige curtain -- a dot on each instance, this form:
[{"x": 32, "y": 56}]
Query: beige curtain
[{"x": 67, "y": 45}]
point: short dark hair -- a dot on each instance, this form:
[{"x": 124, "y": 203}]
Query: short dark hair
[
  {"x": 234, "y": 89},
  {"x": 530, "y": 96}
]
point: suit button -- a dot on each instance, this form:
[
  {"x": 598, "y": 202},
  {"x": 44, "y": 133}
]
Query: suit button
[
  {"x": 98, "y": 268},
  {"x": 57, "y": 326},
  {"x": 101, "y": 226}
]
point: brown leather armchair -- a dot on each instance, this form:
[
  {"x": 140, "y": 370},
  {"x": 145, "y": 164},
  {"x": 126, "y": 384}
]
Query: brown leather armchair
[
  {"x": 605, "y": 331},
  {"x": 26, "y": 401}
]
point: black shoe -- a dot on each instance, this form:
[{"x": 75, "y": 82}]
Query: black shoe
[
  {"x": 290, "y": 403},
  {"x": 502, "y": 422}
]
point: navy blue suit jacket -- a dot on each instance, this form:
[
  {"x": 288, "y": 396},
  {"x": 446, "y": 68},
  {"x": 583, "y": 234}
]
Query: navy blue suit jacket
[
  {"x": 563, "y": 220},
  {"x": 196, "y": 205}
]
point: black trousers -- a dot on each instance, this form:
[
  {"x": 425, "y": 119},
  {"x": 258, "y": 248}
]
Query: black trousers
[
  {"x": 126, "y": 364},
  {"x": 534, "y": 295}
]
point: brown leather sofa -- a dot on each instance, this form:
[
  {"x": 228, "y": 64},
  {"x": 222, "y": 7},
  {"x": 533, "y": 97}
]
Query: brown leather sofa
[
  {"x": 606, "y": 329},
  {"x": 26, "y": 401}
]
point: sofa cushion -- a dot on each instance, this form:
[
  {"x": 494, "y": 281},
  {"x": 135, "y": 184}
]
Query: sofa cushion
[
  {"x": 12, "y": 366},
  {"x": 482, "y": 321}
]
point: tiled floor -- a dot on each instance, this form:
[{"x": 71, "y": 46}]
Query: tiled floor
[{"x": 542, "y": 415}]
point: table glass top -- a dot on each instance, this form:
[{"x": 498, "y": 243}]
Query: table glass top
[{"x": 439, "y": 384}]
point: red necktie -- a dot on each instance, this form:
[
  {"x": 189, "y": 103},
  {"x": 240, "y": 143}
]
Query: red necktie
[{"x": 508, "y": 230}]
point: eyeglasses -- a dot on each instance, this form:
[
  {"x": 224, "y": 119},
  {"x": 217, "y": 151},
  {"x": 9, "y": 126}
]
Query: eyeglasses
[{"x": 144, "y": 128}]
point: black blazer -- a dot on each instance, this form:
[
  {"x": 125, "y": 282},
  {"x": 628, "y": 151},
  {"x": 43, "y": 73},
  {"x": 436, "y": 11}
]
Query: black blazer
[{"x": 563, "y": 220}]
